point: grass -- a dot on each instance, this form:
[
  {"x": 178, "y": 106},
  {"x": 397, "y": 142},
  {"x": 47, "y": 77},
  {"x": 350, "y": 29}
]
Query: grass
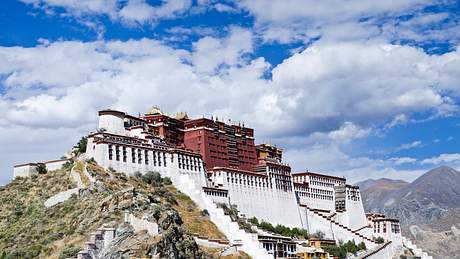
[
  {"x": 29, "y": 230},
  {"x": 215, "y": 253},
  {"x": 79, "y": 168},
  {"x": 193, "y": 218}
]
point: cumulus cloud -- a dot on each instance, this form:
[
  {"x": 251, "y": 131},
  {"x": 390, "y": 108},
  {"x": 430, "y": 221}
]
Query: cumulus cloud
[
  {"x": 331, "y": 20},
  {"x": 443, "y": 158},
  {"x": 348, "y": 132},
  {"x": 131, "y": 12},
  {"x": 331, "y": 159},
  {"x": 324, "y": 96},
  {"x": 210, "y": 52},
  {"x": 79, "y": 7}
]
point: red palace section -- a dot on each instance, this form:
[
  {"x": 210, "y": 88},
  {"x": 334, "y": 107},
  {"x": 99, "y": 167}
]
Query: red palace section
[{"x": 220, "y": 144}]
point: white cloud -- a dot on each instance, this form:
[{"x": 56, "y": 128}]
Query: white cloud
[
  {"x": 131, "y": 12},
  {"x": 406, "y": 146},
  {"x": 324, "y": 96},
  {"x": 331, "y": 159},
  {"x": 399, "y": 119},
  {"x": 403, "y": 160},
  {"x": 79, "y": 7},
  {"x": 348, "y": 132},
  {"x": 210, "y": 52},
  {"x": 292, "y": 20},
  {"x": 443, "y": 158}
]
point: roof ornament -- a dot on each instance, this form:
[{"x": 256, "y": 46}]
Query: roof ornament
[
  {"x": 155, "y": 110},
  {"x": 182, "y": 116}
]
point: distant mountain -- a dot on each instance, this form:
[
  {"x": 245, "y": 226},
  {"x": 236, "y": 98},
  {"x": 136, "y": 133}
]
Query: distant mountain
[
  {"x": 428, "y": 208},
  {"x": 419, "y": 202},
  {"x": 375, "y": 190}
]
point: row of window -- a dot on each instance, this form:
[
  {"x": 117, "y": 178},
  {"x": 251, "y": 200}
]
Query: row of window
[
  {"x": 326, "y": 180},
  {"x": 216, "y": 193},
  {"x": 189, "y": 163},
  {"x": 340, "y": 205},
  {"x": 248, "y": 182},
  {"x": 278, "y": 171},
  {"x": 331, "y": 185},
  {"x": 383, "y": 227},
  {"x": 145, "y": 156},
  {"x": 314, "y": 190},
  {"x": 137, "y": 155},
  {"x": 315, "y": 196},
  {"x": 117, "y": 139}
]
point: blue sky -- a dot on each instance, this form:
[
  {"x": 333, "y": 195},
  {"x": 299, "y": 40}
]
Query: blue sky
[{"x": 361, "y": 89}]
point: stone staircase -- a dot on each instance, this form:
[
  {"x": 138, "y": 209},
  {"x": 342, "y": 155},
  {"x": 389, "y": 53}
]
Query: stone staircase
[
  {"x": 415, "y": 250},
  {"x": 246, "y": 242},
  {"x": 361, "y": 228},
  {"x": 65, "y": 195},
  {"x": 353, "y": 233},
  {"x": 211, "y": 242},
  {"x": 97, "y": 241}
]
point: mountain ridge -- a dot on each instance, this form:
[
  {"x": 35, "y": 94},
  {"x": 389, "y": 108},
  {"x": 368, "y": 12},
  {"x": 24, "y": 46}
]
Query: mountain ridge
[{"x": 428, "y": 208}]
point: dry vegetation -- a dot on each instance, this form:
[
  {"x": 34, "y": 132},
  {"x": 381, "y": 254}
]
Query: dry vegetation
[
  {"x": 196, "y": 221},
  {"x": 29, "y": 230},
  {"x": 215, "y": 253}
]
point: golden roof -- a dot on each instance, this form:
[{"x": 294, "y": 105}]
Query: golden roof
[
  {"x": 182, "y": 116},
  {"x": 155, "y": 110}
]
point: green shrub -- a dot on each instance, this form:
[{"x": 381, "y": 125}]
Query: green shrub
[
  {"x": 266, "y": 226},
  {"x": 69, "y": 252},
  {"x": 41, "y": 169},
  {"x": 362, "y": 246},
  {"x": 342, "y": 249},
  {"x": 67, "y": 165},
  {"x": 205, "y": 213},
  {"x": 379, "y": 240},
  {"x": 91, "y": 161},
  {"x": 279, "y": 229},
  {"x": 167, "y": 181},
  {"x": 318, "y": 234},
  {"x": 254, "y": 221},
  {"x": 80, "y": 148},
  {"x": 153, "y": 178}
]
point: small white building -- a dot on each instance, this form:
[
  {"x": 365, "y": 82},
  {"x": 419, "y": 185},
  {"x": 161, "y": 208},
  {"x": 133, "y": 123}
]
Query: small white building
[{"x": 24, "y": 170}]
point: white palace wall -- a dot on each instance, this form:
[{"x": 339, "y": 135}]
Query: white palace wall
[
  {"x": 354, "y": 216},
  {"x": 256, "y": 196},
  {"x": 113, "y": 123},
  {"x": 159, "y": 159}
]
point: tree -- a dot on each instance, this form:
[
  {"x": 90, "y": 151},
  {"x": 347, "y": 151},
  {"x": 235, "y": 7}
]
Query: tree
[
  {"x": 362, "y": 246},
  {"x": 379, "y": 240},
  {"x": 266, "y": 226},
  {"x": 80, "y": 148},
  {"x": 41, "y": 169},
  {"x": 319, "y": 234},
  {"x": 254, "y": 221}
]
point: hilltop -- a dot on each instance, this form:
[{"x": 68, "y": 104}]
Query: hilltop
[{"x": 28, "y": 229}]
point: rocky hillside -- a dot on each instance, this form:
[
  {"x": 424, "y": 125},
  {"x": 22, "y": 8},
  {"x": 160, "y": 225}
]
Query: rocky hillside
[
  {"x": 28, "y": 229},
  {"x": 374, "y": 190},
  {"x": 428, "y": 208}
]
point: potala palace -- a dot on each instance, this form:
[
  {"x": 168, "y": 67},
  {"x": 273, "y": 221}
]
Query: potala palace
[{"x": 218, "y": 162}]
